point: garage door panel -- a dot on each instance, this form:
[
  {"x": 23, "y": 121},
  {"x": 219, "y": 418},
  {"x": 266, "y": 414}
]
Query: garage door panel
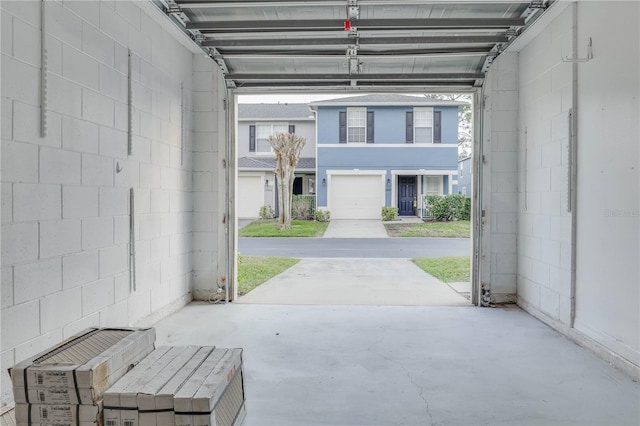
[
  {"x": 356, "y": 196},
  {"x": 250, "y": 196}
]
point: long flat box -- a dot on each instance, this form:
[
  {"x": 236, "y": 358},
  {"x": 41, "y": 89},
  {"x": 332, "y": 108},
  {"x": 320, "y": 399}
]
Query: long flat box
[
  {"x": 213, "y": 396},
  {"x": 144, "y": 381},
  {"x": 41, "y": 413},
  {"x": 94, "y": 359}
]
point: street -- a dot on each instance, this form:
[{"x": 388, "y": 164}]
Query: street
[{"x": 355, "y": 247}]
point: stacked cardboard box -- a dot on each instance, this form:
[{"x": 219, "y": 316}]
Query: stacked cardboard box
[
  {"x": 64, "y": 385},
  {"x": 160, "y": 390}
]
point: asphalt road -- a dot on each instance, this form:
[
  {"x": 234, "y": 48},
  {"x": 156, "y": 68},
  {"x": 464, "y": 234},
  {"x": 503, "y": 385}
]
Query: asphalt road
[{"x": 355, "y": 247}]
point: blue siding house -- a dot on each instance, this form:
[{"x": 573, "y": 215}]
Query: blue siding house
[
  {"x": 384, "y": 150},
  {"x": 464, "y": 177}
]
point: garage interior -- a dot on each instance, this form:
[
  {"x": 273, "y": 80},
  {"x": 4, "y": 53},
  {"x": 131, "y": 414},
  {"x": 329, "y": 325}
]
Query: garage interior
[{"x": 118, "y": 188}]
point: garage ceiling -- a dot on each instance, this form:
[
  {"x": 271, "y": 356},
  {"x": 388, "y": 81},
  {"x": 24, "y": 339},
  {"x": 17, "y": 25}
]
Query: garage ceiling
[{"x": 293, "y": 45}]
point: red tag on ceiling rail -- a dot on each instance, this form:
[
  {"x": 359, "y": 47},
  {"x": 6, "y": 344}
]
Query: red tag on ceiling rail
[{"x": 347, "y": 25}]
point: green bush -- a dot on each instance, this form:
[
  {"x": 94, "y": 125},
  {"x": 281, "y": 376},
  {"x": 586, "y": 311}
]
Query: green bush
[
  {"x": 302, "y": 206},
  {"x": 448, "y": 207},
  {"x": 322, "y": 215},
  {"x": 389, "y": 213},
  {"x": 267, "y": 212}
]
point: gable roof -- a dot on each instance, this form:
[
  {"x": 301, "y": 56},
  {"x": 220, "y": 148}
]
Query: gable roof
[
  {"x": 304, "y": 163},
  {"x": 275, "y": 111},
  {"x": 386, "y": 99}
]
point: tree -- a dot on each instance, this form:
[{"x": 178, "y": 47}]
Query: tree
[
  {"x": 465, "y": 125},
  {"x": 287, "y": 147}
]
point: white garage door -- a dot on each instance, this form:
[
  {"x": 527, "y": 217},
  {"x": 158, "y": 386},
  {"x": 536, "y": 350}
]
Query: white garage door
[
  {"x": 356, "y": 196},
  {"x": 250, "y": 196}
]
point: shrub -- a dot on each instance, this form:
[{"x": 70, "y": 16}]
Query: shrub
[
  {"x": 302, "y": 206},
  {"x": 389, "y": 213},
  {"x": 267, "y": 212},
  {"x": 448, "y": 207},
  {"x": 322, "y": 215}
]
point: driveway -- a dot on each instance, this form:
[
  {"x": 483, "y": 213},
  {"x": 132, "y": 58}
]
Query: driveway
[
  {"x": 340, "y": 228},
  {"x": 354, "y": 282},
  {"x": 384, "y": 248}
]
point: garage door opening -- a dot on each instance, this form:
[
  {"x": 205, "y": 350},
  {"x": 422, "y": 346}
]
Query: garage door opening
[{"x": 364, "y": 153}]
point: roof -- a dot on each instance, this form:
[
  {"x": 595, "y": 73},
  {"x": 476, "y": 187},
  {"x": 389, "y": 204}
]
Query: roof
[
  {"x": 269, "y": 163},
  {"x": 275, "y": 111},
  {"x": 390, "y": 99}
]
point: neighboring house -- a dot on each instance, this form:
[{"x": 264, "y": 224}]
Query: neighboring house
[
  {"x": 464, "y": 176},
  {"x": 256, "y": 160},
  {"x": 384, "y": 150}
]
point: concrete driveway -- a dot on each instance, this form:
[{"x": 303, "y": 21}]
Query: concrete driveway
[
  {"x": 342, "y": 228},
  {"x": 351, "y": 281}
]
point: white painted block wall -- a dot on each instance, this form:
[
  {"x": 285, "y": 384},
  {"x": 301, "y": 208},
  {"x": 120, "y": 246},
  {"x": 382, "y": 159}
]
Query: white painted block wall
[
  {"x": 65, "y": 207},
  {"x": 608, "y": 225},
  {"x": 544, "y": 224},
  {"x": 607, "y": 235},
  {"x": 499, "y": 179}
]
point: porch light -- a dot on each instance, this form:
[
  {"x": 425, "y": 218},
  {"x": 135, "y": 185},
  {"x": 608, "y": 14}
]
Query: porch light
[
  {"x": 388, "y": 183},
  {"x": 266, "y": 182},
  {"x": 324, "y": 181}
]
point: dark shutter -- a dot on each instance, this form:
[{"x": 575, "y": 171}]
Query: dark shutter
[
  {"x": 369, "y": 126},
  {"x": 292, "y": 128},
  {"x": 437, "y": 126},
  {"x": 252, "y": 138},
  {"x": 409, "y": 126},
  {"x": 343, "y": 126}
]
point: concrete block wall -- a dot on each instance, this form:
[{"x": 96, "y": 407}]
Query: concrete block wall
[
  {"x": 65, "y": 197},
  {"x": 499, "y": 178},
  {"x": 210, "y": 163},
  {"x": 544, "y": 222}
]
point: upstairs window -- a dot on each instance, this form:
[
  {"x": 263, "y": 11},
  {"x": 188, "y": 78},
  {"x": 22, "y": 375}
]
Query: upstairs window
[
  {"x": 259, "y": 136},
  {"x": 423, "y": 125},
  {"x": 356, "y": 125}
]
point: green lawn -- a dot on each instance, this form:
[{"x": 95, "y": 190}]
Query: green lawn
[
  {"x": 255, "y": 270},
  {"x": 457, "y": 229},
  {"x": 446, "y": 269},
  {"x": 269, "y": 228}
]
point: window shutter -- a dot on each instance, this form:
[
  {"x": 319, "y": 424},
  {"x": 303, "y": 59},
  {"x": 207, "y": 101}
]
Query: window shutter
[
  {"x": 369, "y": 126},
  {"x": 409, "y": 126},
  {"x": 343, "y": 126},
  {"x": 437, "y": 126},
  {"x": 252, "y": 138},
  {"x": 292, "y": 128}
]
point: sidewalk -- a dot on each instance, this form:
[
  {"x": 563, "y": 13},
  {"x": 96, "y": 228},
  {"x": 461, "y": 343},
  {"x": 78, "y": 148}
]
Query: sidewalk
[{"x": 343, "y": 228}]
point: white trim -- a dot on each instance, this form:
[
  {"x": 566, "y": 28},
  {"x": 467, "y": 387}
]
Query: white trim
[
  {"x": 450, "y": 180},
  {"x": 423, "y": 172},
  {"x": 388, "y": 145},
  {"x": 356, "y": 172},
  {"x": 314, "y": 105},
  {"x": 311, "y": 119}
]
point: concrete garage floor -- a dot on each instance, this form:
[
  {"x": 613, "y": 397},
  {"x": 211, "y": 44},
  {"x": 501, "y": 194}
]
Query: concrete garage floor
[
  {"x": 328, "y": 281},
  {"x": 390, "y": 365}
]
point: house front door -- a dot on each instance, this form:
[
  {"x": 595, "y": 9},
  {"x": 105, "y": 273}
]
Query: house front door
[{"x": 407, "y": 195}]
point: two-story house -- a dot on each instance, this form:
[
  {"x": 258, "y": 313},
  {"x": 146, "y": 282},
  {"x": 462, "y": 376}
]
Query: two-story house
[
  {"x": 464, "y": 176},
  {"x": 256, "y": 160},
  {"x": 384, "y": 150}
]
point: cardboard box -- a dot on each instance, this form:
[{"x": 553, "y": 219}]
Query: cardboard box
[
  {"x": 92, "y": 359},
  {"x": 43, "y": 413},
  {"x": 214, "y": 394}
]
